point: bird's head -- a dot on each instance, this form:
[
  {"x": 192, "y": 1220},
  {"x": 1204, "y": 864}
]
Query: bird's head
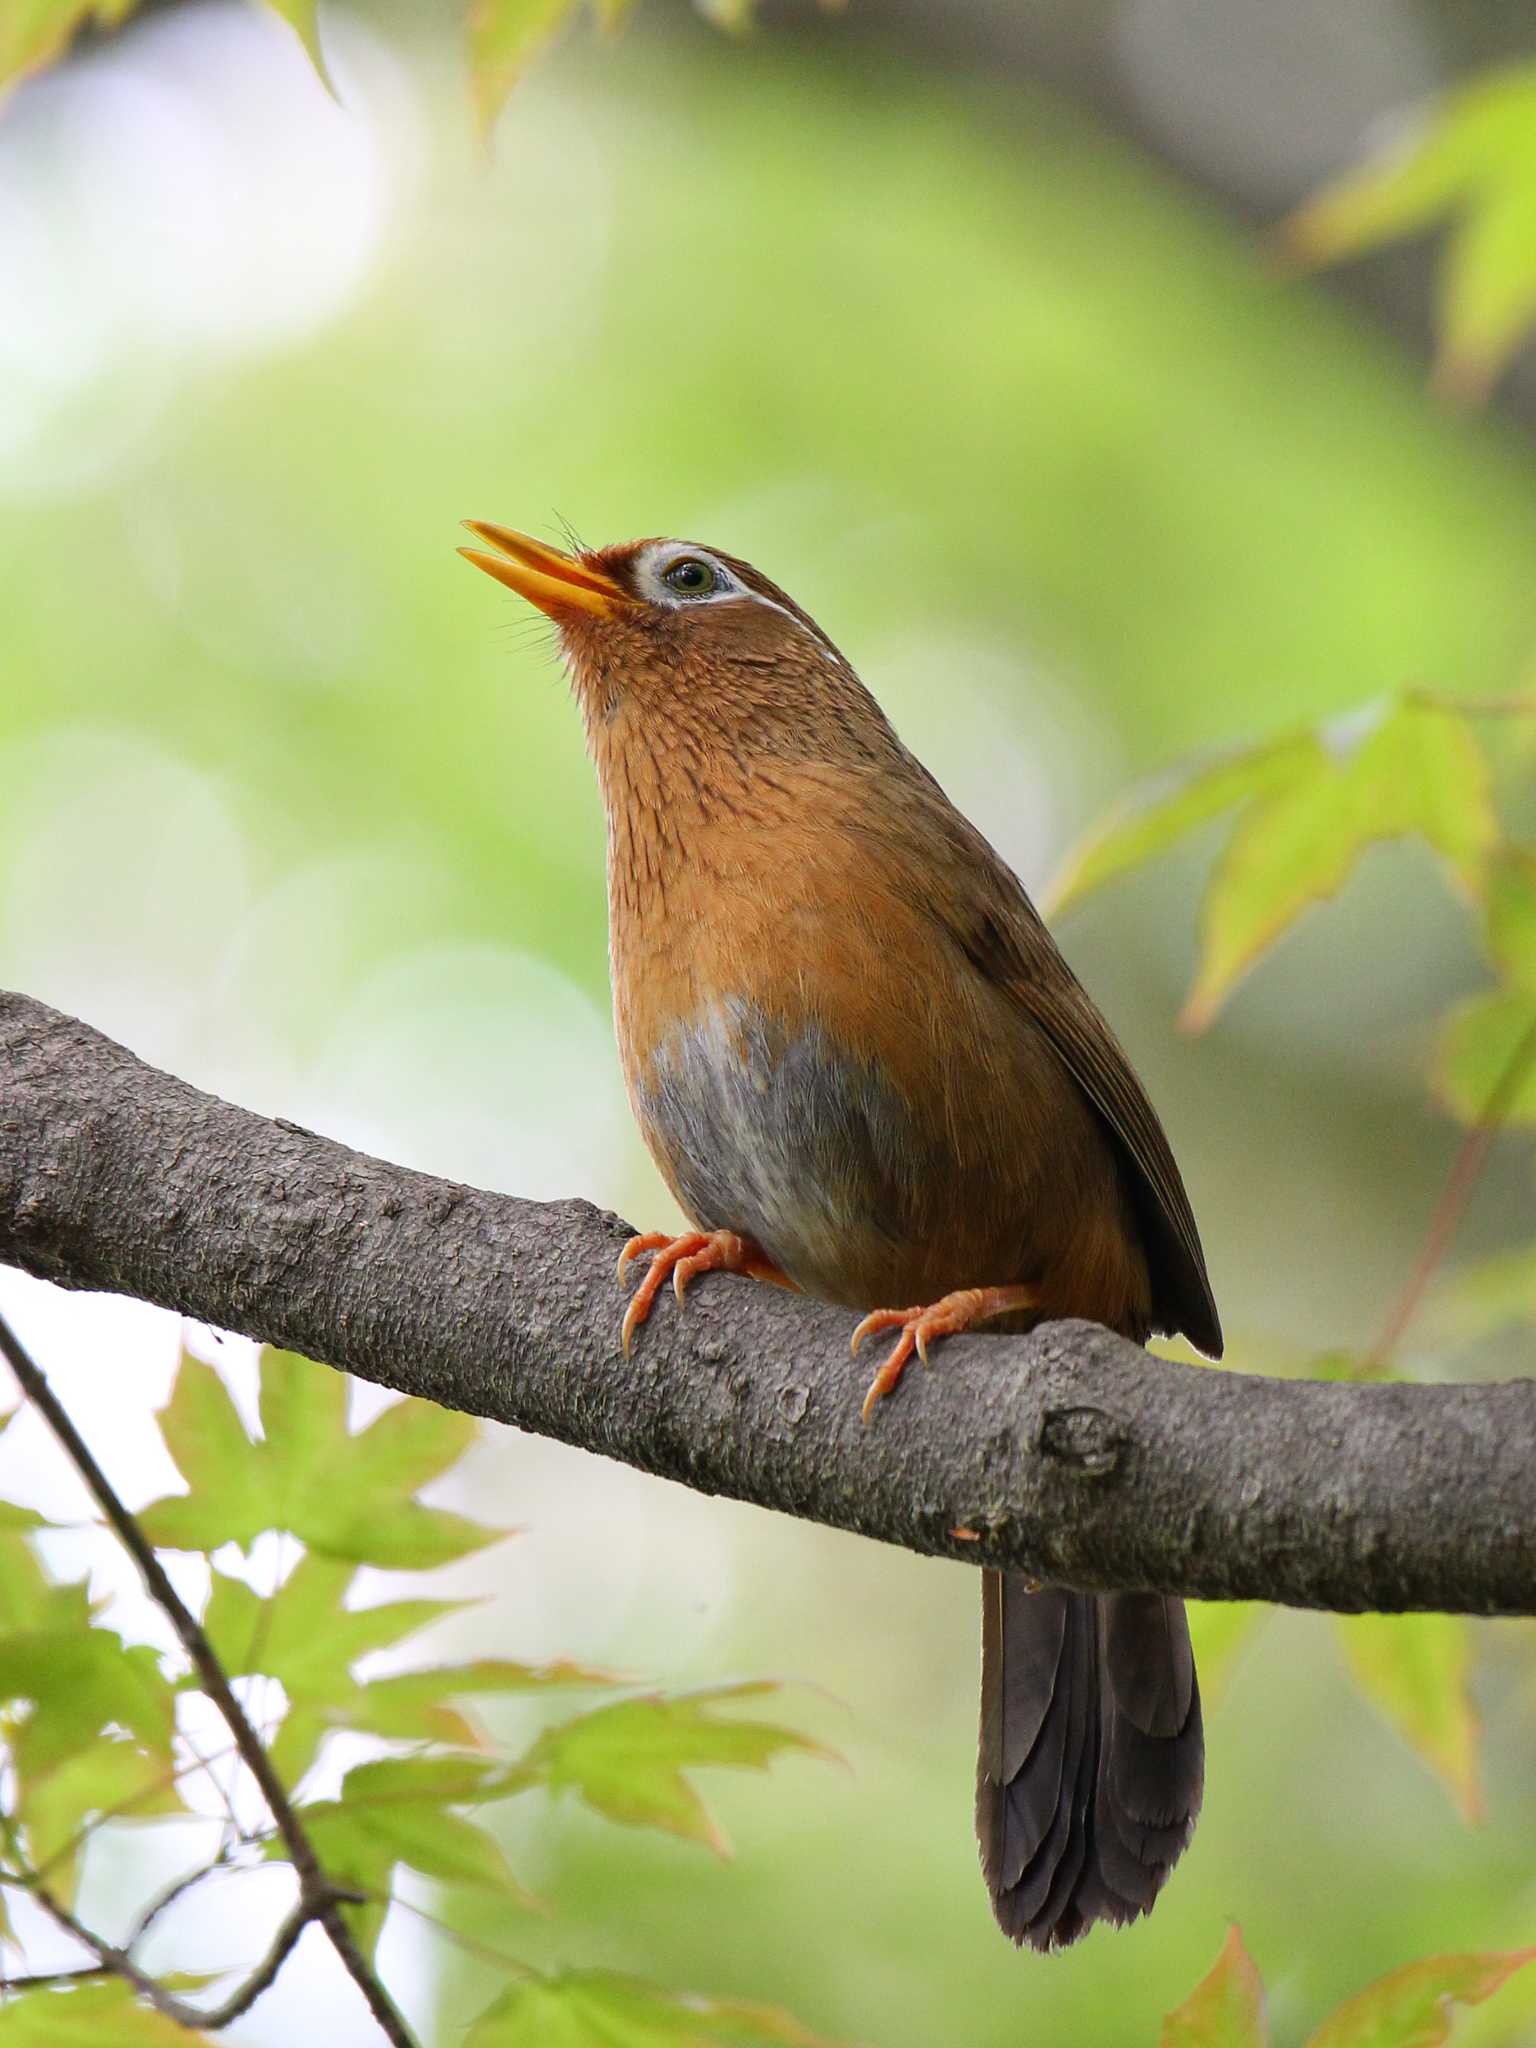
[{"x": 655, "y": 626}]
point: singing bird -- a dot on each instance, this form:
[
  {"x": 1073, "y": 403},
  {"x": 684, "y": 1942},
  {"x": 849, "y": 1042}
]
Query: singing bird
[{"x": 865, "y": 1072}]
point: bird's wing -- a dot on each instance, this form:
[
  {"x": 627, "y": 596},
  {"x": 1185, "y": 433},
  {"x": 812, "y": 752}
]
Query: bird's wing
[
  {"x": 993, "y": 921},
  {"x": 1052, "y": 995}
]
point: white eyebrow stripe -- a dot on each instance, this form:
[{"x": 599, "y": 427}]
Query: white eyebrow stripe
[
  {"x": 811, "y": 632},
  {"x": 650, "y": 567}
]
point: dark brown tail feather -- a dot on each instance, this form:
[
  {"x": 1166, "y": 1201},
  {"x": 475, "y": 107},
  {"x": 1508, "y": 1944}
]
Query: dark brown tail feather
[{"x": 1092, "y": 1755}]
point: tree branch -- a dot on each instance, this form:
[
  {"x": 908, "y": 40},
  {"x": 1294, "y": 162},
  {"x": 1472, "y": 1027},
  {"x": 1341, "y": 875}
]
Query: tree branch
[{"x": 1068, "y": 1454}]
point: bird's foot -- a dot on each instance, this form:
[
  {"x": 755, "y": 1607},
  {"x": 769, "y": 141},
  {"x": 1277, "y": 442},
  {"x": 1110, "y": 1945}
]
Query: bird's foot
[
  {"x": 685, "y": 1257},
  {"x": 920, "y": 1326}
]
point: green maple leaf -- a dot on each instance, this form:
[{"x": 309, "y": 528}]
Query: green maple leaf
[
  {"x": 1470, "y": 162},
  {"x": 629, "y": 1760},
  {"x": 602, "y": 2009},
  {"x": 1309, "y": 805},
  {"x": 90, "y": 2016},
  {"x": 306, "y": 1637},
  {"x": 1410, "y": 2007},
  {"x": 403, "y": 1810},
  {"x": 1414, "y": 1668},
  {"x": 502, "y": 38},
  {"x": 107, "y": 1779},
  {"x": 1225, "y": 2009},
  {"x": 34, "y": 33},
  {"x": 80, "y": 1680},
  {"x": 345, "y": 1495}
]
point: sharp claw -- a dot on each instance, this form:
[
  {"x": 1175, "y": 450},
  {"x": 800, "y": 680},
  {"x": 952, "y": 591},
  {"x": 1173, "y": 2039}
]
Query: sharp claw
[{"x": 922, "y": 1344}]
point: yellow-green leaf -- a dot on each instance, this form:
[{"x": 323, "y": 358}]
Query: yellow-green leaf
[
  {"x": 1488, "y": 288},
  {"x": 228, "y": 1500},
  {"x": 412, "y": 1706},
  {"x": 88, "y": 2017},
  {"x": 303, "y": 1408},
  {"x": 107, "y": 1779},
  {"x": 305, "y": 1636},
  {"x": 1486, "y": 1065},
  {"x": 399, "y": 1810},
  {"x": 81, "y": 1680},
  {"x": 27, "y": 1595},
  {"x": 350, "y": 1496},
  {"x": 601, "y": 2009},
  {"x": 1414, "y": 1669},
  {"x": 503, "y": 37},
  {"x": 345, "y": 1496},
  {"x": 1471, "y": 160},
  {"x": 1225, "y": 2009},
  {"x": 34, "y": 32},
  {"x": 1410, "y": 2008},
  {"x": 628, "y": 1760},
  {"x": 1157, "y": 816},
  {"x": 1414, "y": 768},
  {"x": 301, "y": 17},
  {"x": 368, "y": 1514},
  {"x": 1418, "y": 174}
]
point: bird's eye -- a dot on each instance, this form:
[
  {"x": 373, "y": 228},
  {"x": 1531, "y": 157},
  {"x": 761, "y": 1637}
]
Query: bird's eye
[{"x": 690, "y": 577}]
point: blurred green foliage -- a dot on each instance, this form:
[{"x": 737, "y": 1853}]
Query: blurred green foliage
[
  {"x": 1469, "y": 161},
  {"x": 1409, "y": 2008}
]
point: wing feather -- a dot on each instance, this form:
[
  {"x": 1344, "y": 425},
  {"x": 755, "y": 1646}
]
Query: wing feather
[{"x": 988, "y": 914}]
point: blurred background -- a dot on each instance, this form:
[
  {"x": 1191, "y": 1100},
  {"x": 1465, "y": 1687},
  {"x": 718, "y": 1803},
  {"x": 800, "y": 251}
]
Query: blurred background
[{"x": 959, "y": 322}]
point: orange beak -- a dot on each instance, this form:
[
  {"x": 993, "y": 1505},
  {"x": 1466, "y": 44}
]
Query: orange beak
[{"x": 556, "y": 582}]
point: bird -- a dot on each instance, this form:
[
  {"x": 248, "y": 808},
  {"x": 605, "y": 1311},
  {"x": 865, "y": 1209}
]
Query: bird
[{"x": 866, "y": 1072}]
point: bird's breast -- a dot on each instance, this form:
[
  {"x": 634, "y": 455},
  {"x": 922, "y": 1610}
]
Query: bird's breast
[{"x": 778, "y": 1133}]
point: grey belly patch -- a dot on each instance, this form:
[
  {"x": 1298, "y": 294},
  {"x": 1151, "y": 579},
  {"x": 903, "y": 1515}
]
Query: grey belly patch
[{"x": 785, "y": 1139}]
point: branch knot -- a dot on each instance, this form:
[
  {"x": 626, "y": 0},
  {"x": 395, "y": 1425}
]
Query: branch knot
[{"x": 1085, "y": 1440}]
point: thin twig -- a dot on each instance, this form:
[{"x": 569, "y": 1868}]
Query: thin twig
[
  {"x": 164, "y": 1900},
  {"x": 1460, "y": 1182},
  {"x": 318, "y": 1899},
  {"x": 46, "y": 1980},
  {"x": 119, "y": 1963}
]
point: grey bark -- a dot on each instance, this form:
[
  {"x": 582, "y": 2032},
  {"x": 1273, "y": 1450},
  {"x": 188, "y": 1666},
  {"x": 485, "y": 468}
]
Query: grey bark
[{"x": 1069, "y": 1454}]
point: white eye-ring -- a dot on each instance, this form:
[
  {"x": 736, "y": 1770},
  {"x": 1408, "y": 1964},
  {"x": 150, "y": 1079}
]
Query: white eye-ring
[{"x": 676, "y": 575}]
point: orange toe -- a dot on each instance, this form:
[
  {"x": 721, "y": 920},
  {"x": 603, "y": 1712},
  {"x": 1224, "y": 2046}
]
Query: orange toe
[
  {"x": 684, "y": 1258},
  {"x": 920, "y": 1326},
  {"x": 647, "y": 1241}
]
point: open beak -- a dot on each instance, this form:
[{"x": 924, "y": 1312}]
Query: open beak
[{"x": 556, "y": 582}]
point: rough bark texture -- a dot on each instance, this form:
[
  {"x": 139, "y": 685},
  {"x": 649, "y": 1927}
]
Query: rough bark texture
[{"x": 1068, "y": 1454}]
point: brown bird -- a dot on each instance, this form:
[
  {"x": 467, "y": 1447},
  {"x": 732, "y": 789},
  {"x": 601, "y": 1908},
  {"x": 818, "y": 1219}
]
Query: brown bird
[{"x": 866, "y": 1072}]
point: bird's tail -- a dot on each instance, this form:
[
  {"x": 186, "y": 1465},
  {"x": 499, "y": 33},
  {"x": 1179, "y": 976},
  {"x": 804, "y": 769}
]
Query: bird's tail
[{"x": 1092, "y": 1755}]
